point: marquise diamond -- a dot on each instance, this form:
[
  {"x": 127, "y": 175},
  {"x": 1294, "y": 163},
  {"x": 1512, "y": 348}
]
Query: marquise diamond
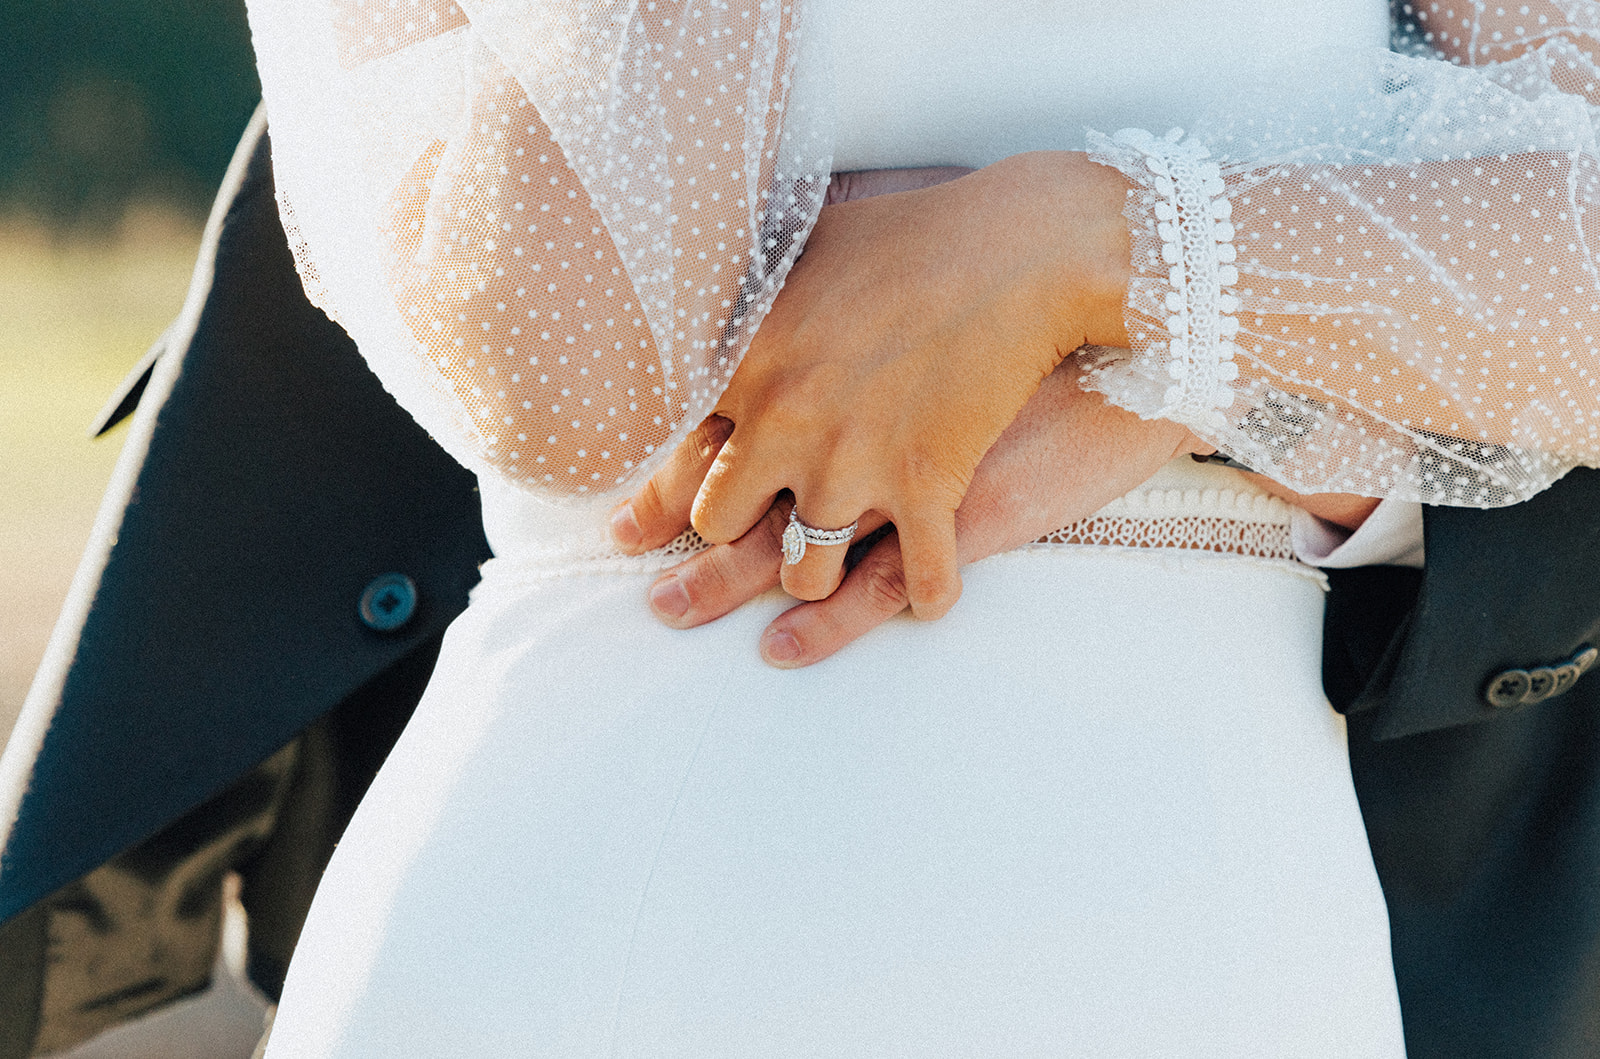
[{"x": 794, "y": 543}]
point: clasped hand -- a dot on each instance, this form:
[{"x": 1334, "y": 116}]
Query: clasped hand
[{"x": 907, "y": 341}]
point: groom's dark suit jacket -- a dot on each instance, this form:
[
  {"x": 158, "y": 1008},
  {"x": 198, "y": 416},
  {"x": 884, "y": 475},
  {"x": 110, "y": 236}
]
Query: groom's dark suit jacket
[{"x": 232, "y": 688}]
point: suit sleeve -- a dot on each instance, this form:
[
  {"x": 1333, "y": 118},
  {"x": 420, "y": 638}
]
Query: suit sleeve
[{"x": 1505, "y": 589}]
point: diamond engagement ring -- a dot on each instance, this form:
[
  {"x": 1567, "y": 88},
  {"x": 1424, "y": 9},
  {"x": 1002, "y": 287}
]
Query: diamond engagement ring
[{"x": 798, "y": 535}]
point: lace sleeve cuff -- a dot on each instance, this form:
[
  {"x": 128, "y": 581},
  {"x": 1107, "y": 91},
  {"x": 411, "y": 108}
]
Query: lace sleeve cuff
[{"x": 1180, "y": 306}]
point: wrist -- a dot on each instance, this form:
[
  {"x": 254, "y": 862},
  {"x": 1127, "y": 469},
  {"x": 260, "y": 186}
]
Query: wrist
[
  {"x": 1066, "y": 234},
  {"x": 1109, "y": 256},
  {"x": 1094, "y": 250}
]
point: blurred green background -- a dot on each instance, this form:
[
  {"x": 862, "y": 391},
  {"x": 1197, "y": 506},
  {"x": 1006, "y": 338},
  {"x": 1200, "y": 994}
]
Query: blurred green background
[
  {"x": 117, "y": 119},
  {"x": 106, "y": 104}
]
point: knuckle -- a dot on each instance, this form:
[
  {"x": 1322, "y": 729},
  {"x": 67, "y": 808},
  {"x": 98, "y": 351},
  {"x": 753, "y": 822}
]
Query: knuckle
[
  {"x": 929, "y": 584},
  {"x": 932, "y": 593},
  {"x": 709, "y": 437},
  {"x": 883, "y": 585},
  {"x": 811, "y": 391},
  {"x": 710, "y": 579},
  {"x": 770, "y": 529}
]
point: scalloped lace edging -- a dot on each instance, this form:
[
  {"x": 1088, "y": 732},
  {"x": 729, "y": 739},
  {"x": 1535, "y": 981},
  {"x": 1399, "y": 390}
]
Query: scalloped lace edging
[
  {"x": 1192, "y": 222},
  {"x": 1258, "y": 539},
  {"x": 539, "y": 566},
  {"x": 1225, "y": 522}
]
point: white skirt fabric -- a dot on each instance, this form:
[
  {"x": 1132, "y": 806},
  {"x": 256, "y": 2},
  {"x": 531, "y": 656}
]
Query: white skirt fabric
[{"x": 1101, "y": 809}]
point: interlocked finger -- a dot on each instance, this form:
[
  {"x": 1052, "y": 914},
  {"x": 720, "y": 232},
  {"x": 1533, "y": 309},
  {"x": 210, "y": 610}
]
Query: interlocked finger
[
  {"x": 739, "y": 486},
  {"x": 721, "y": 578},
  {"x": 814, "y": 554},
  {"x": 660, "y": 511},
  {"x": 873, "y": 592},
  {"x": 932, "y": 572}
]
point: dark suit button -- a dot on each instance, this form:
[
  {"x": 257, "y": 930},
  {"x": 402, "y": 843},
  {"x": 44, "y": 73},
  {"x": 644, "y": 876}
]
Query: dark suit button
[
  {"x": 1585, "y": 659},
  {"x": 1541, "y": 684},
  {"x": 389, "y": 602},
  {"x": 1509, "y": 689},
  {"x": 1566, "y": 676}
]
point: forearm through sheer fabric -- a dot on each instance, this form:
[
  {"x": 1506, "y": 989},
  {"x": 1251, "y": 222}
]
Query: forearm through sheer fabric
[
  {"x": 551, "y": 225},
  {"x": 1377, "y": 277}
]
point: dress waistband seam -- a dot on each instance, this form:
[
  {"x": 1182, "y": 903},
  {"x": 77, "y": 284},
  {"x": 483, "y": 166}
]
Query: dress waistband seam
[{"x": 513, "y": 570}]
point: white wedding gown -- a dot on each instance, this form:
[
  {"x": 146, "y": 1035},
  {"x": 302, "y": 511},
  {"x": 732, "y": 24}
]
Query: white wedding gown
[{"x": 1102, "y": 809}]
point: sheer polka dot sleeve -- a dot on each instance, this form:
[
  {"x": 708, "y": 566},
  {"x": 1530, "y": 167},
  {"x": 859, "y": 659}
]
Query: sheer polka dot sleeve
[
  {"x": 1378, "y": 275},
  {"x": 551, "y": 226}
]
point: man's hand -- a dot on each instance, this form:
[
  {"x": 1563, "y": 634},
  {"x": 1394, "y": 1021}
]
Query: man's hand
[{"x": 1064, "y": 457}]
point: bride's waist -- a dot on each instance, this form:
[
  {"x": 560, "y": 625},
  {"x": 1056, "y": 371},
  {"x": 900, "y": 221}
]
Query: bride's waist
[{"x": 1184, "y": 508}]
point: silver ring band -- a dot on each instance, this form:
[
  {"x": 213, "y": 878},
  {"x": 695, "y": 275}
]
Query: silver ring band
[{"x": 798, "y": 535}]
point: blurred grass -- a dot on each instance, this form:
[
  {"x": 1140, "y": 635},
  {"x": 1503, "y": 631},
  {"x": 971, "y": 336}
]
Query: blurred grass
[{"x": 78, "y": 315}]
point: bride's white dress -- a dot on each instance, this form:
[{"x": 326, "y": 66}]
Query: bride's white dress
[
  {"x": 1093, "y": 813},
  {"x": 1102, "y": 809}
]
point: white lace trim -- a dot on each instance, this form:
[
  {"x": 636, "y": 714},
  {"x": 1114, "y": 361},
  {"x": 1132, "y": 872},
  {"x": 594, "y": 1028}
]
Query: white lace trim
[
  {"x": 1240, "y": 505},
  {"x": 1233, "y": 522},
  {"x": 1255, "y": 539},
  {"x": 1192, "y": 215},
  {"x": 1170, "y": 558},
  {"x": 1214, "y": 520},
  {"x": 605, "y": 559}
]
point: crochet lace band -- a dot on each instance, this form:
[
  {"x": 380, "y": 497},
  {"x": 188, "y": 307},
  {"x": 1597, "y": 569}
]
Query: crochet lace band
[{"x": 1205, "y": 509}]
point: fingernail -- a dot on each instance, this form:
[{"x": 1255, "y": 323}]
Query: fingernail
[
  {"x": 625, "y": 528},
  {"x": 779, "y": 648},
  {"x": 668, "y": 599}
]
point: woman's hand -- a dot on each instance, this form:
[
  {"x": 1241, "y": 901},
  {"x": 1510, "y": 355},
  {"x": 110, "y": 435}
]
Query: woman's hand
[
  {"x": 908, "y": 337},
  {"x": 1063, "y": 458}
]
